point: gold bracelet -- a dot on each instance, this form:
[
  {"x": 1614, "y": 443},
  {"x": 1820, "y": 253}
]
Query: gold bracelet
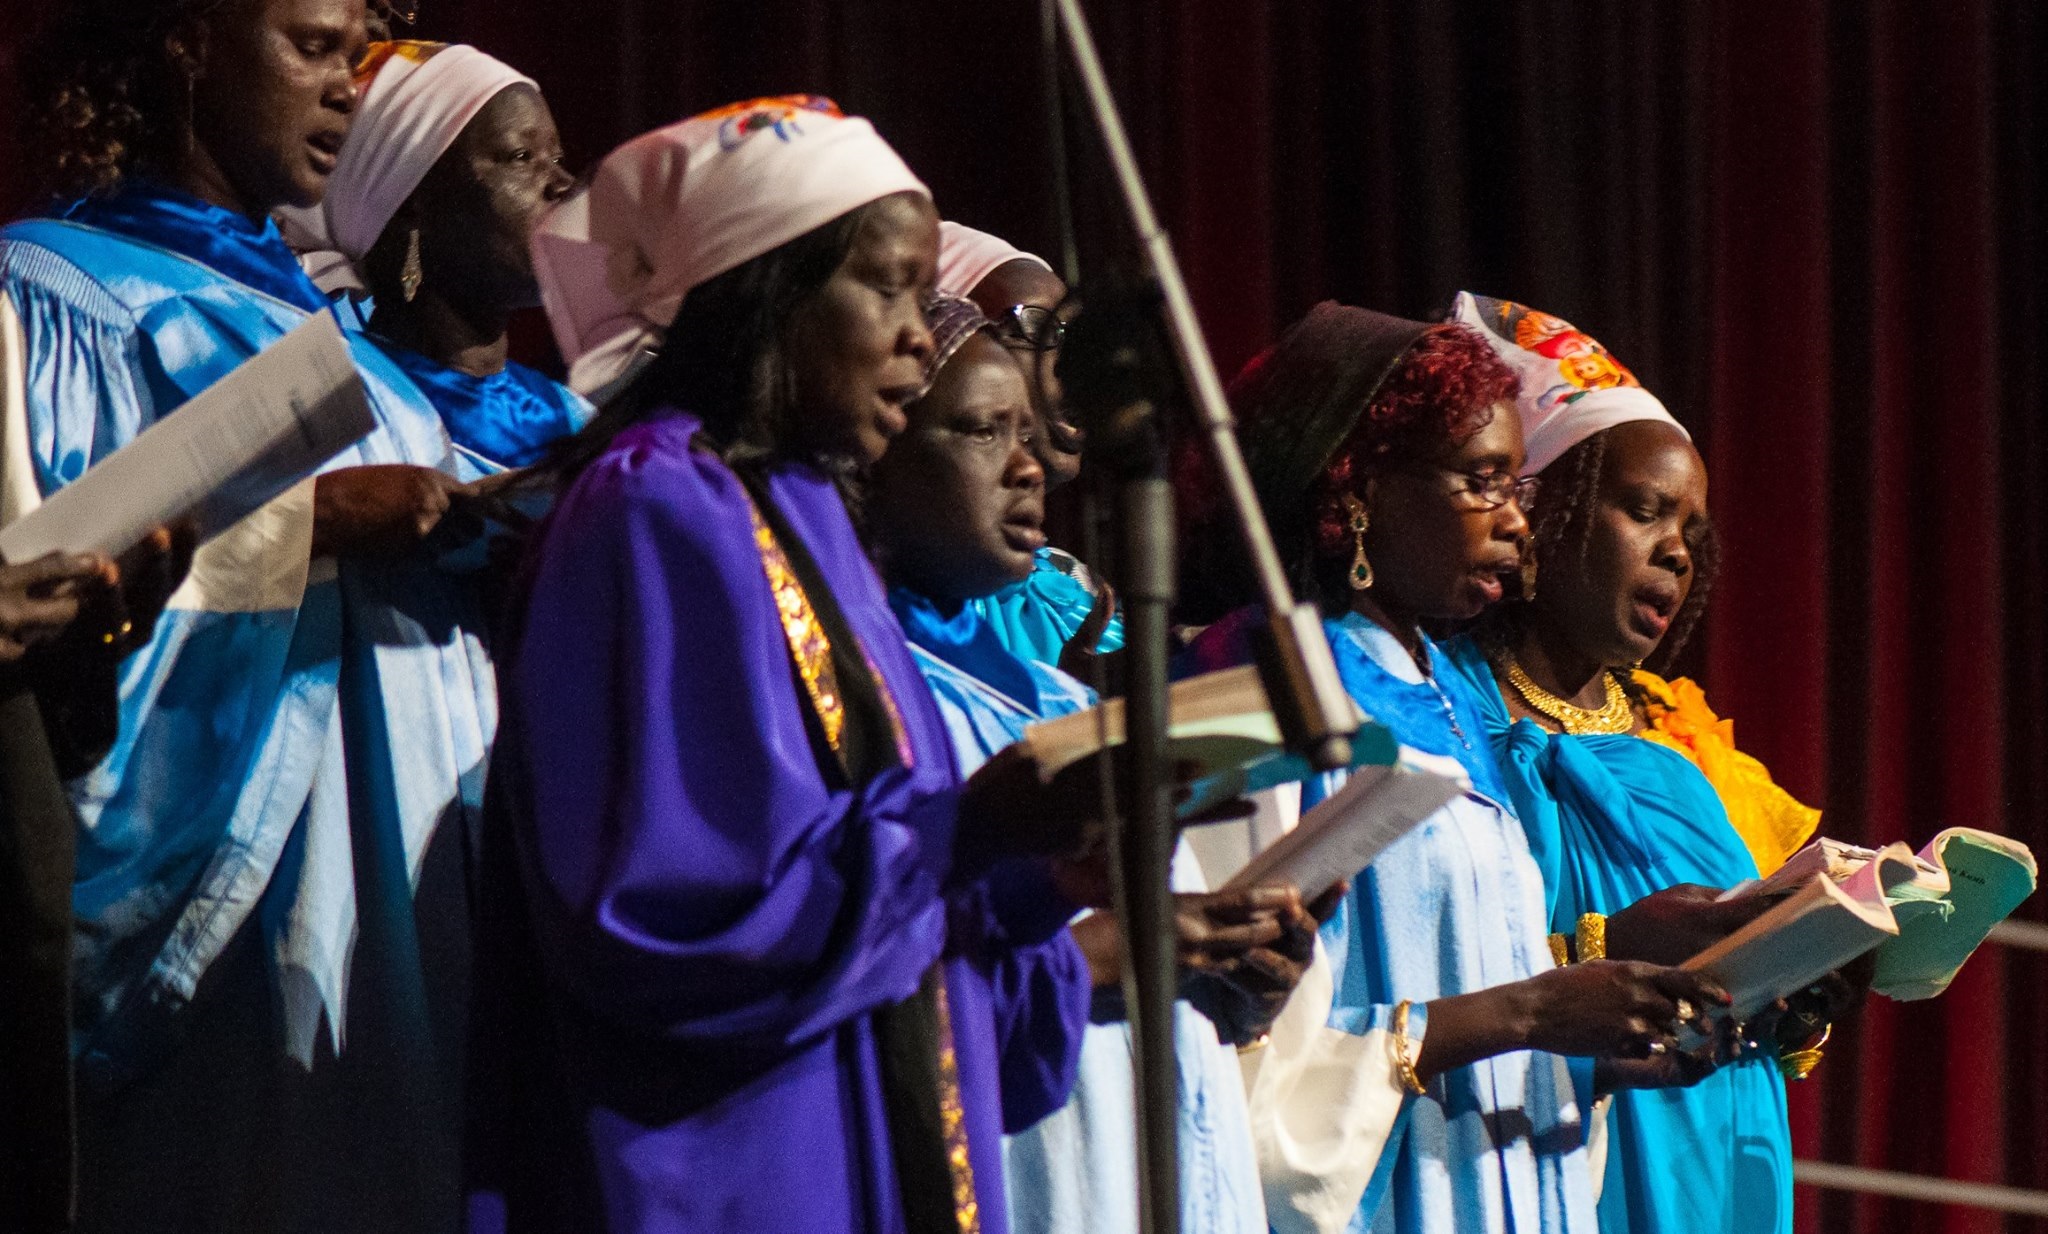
[
  {"x": 1798, "y": 1064},
  {"x": 1256, "y": 1044},
  {"x": 1561, "y": 950},
  {"x": 1592, "y": 937},
  {"x": 1404, "y": 1066}
]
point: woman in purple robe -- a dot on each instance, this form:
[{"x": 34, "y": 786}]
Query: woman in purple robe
[{"x": 791, "y": 973}]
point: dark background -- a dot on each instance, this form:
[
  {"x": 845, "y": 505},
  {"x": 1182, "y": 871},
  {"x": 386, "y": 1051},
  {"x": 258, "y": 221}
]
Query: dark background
[{"x": 1818, "y": 230}]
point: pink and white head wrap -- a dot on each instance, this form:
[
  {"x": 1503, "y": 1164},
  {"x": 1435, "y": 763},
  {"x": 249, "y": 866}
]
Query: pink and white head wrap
[
  {"x": 1572, "y": 387},
  {"x": 684, "y": 204},
  {"x": 967, "y": 256},
  {"x": 416, "y": 98}
]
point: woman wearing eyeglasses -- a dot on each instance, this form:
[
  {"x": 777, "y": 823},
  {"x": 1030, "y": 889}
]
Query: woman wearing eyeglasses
[
  {"x": 1060, "y": 613},
  {"x": 1616, "y": 809},
  {"x": 1442, "y": 1080}
]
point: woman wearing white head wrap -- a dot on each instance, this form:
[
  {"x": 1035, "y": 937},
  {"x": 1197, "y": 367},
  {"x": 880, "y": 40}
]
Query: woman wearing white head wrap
[
  {"x": 1060, "y": 612},
  {"x": 789, "y": 993},
  {"x": 428, "y": 217},
  {"x": 1587, "y": 743}
]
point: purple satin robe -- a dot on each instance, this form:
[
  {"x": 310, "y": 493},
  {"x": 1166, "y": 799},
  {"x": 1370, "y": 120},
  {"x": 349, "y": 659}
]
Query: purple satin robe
[{"x": 714, "y": 922}]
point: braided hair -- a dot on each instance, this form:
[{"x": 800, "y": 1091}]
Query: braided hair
[
  {"x": 103, "y": 93},
  {"x": 1561, "y": 528}
]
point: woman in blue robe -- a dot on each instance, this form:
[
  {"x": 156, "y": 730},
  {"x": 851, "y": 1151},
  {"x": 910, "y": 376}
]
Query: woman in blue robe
[
  {"x": 1623, "y": 556},
  {"x": 454, "y": 158},
  {"x": 1444, "y": 1081},
  {"x": 969, "y": 449},
  {"x": 792, "y": 972},
  {"x": 1059, "y": 601},
  {"x": 1611, "y": 817},
  {"x": 248, "y": 850}
]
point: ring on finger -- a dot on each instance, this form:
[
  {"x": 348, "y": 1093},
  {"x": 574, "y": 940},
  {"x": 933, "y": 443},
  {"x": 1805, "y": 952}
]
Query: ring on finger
[
  {"x": 1686, "y": 1014},
  {"x": 1658, "y": 1048}
]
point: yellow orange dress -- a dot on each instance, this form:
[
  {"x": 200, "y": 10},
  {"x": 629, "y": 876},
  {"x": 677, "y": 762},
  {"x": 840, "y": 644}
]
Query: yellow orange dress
[{"x": 1773, "y": 823}]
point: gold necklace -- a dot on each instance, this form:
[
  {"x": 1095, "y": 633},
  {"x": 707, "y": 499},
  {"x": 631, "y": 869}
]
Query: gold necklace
[{"x": 1616, "y": 715}]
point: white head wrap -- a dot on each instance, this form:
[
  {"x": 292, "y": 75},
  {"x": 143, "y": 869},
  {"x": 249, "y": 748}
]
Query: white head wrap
[
  {"x": 967, "y": 256},
  {"x": 1572, "y": 387},
  {"x": 684, "y": 204},
  {"x": 416, "y": 98}
]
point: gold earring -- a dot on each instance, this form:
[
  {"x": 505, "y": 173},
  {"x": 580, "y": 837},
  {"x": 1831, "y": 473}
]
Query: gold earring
[
  {"x": 409, "y": 277},
  {"x": 1361, "y": 569}
]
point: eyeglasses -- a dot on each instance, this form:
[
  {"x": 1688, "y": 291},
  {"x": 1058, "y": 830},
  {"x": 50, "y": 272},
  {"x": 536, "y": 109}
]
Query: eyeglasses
[
  {"x": 407, "y": 11},
  {"x": 1490, "y": 490},
  {"x": 1029, "y": 326}
]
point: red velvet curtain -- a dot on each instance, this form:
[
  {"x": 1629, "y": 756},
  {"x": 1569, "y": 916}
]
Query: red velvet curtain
[{"x": 1819, "y": 230}]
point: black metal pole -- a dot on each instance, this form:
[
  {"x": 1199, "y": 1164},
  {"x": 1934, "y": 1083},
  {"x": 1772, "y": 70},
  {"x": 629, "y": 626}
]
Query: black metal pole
[
  {"x": 1298, "y": 670},
  {"x": 1145, "y": 840}
]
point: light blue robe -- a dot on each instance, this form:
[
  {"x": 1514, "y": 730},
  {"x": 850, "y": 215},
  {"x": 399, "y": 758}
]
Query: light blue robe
[
  {"x": 1453, "y": 907},
  {"x": 1610, "y": 819},
  {"x": 1036, "y": 616},
  {"x": 505, "y": 420},
  {"x": 233, "y": 782},
  {"x": 1076, "y": 1171}
]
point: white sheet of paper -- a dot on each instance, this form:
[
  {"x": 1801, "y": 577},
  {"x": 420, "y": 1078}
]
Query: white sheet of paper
[
  {"x": 1344, "y": 832},
  {"x": 248, "y": 437}
]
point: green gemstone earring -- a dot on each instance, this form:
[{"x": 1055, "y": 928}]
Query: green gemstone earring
[{"x": 1361, "y": 568}]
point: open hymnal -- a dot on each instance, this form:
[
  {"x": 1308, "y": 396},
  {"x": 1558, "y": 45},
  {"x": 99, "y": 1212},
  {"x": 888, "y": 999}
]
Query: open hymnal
[
  {"x": 1821, "y": 925},
  {"x": 247, "y": 438},
  {"x": 1340, "y": 835},
  {"x": 1964, "y": 882},
  {"x": 1924, "y": 914},
  {"x": 1221, "y": 723}
]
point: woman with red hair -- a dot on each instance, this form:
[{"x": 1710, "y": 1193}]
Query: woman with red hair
[{"x": 1438, "y": 1074}]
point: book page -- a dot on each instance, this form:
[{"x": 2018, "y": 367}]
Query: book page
[
  {"x": 1820, "y": 927},
  {"x": 1343, "y": 833},
  {"x": 1217, "y": 719},
  {"x": 1987, "y": 877},
  {"x": 250, "y": 436}
]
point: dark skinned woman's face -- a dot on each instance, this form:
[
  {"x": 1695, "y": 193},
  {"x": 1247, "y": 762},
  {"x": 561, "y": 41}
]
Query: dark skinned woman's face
[
  {"x": 1437, "y": 553},
  {"x": 859, "y": 345},
  {"x": 1616, "y": 604},
  {"x": 1058, "y": 444},
  {"x": 272, "y": 98},
  {"x": 958, "y": 502},
  {"x": 479, "y": 205}
]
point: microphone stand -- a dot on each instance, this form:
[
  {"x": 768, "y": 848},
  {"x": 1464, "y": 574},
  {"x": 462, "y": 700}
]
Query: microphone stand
[{"x": 1297, "y": 669}]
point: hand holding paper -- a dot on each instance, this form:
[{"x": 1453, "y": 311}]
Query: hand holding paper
[{"x": 233, "y": 448}]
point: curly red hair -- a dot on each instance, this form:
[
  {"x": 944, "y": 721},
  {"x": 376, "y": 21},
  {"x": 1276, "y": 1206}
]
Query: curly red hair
[
  {"x": 1440, "y": 390},
  {"x": 1443, "y": 390}
]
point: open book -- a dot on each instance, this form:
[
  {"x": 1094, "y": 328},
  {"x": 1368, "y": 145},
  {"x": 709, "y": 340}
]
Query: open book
[
  {"x": 1341, "y": 834},
  {"x": 1963, "y": 883},
  {"x": 1822, "y": 925},
  {"x": 1221, "y": 722},
  {"x": 247, "y": 438},
  {"x": 1923, "y": 913}
]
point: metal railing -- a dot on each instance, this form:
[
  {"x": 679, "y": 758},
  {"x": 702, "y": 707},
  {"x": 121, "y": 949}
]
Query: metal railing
[{"x": 1994, "y": 1197}]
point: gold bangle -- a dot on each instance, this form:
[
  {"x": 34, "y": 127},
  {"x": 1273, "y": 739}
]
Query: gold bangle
[
  {"x": 1592, "y": 937},
  {"x": 1561, "y": 950},
  {"x": 1404, "y": 1066},
  {"x": 1798, "y": 1064}
]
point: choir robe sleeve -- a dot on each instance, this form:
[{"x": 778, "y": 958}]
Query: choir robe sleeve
[
  {"x": 1039, "y": 987},
  {"x": 692, "y": 875}
]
